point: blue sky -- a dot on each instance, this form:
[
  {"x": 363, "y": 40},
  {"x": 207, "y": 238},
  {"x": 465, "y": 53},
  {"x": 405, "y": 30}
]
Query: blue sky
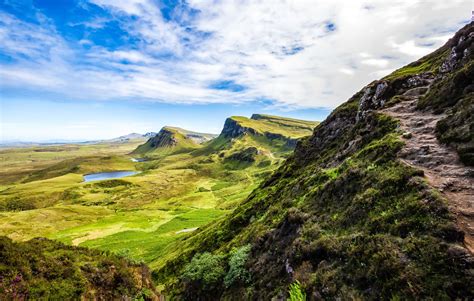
[{"x": 90, "y": 69}]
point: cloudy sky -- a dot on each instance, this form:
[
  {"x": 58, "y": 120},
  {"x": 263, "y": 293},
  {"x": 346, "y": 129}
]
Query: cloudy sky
[{"x": 89, "y": 69}]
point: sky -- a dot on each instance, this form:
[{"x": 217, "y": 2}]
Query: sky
[{"x": 94, "y": 69}]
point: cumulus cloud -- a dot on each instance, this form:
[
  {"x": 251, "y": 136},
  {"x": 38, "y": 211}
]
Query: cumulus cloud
[{"x": 303, "y": 53}]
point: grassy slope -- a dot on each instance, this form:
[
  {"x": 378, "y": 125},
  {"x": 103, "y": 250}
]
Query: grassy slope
[
  {"x": 343, "y": 216},
  {"x": 141, "y": 214},
  {"x": 188, "y": 133},
  {"x": 287, "y": 127},
  {"x": 183, "y": 139},
  {"x": 45, "y": 270}
]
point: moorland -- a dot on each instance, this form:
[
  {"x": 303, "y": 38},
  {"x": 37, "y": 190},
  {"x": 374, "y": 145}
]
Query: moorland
[{"x": 184, "y": 180}]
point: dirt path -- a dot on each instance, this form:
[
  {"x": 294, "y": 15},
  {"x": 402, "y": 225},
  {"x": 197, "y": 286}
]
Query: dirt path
[{"x": 441, "y": 164}]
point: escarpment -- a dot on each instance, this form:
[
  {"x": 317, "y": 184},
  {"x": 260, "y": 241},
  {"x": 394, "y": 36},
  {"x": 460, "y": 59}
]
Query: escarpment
[
  {"x": 233, "y": 129},
  {"x": 288, "y": 130},
  {"x": 165, "y": 138}
]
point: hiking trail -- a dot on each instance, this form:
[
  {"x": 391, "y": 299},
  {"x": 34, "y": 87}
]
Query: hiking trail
[{"x": 440, "y": 163}]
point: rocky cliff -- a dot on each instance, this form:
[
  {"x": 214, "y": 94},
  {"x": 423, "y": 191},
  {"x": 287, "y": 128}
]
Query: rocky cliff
[
  {"x": 271, "y": 127},
  {"x": 233, "y": 128},
  {"x": 165, "y": 138},
  {"x": 169, "y": 138}
]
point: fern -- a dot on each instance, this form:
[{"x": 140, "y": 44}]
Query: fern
[{"x": 296, "y": 292}]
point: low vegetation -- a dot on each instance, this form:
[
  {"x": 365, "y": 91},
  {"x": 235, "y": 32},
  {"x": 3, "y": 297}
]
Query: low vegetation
[{"x": 42, "y": 269}]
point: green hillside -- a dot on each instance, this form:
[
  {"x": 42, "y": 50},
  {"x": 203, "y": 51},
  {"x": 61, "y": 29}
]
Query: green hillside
[
  {"x": 267, "y": 124},
  {"x": 345, "y": 217},
  {"x": 172, "y": 140},
  {"x": 42, "y": 269},
  {"x": 264, "y": 135}
]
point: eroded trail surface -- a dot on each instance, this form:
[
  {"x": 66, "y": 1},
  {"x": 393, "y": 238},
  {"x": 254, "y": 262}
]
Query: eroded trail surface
[{"x": 440, "y": 163}]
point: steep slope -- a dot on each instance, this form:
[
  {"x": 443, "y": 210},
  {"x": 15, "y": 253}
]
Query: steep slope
[
  {"x": 172, "y": 139},
  {"x": 271, "y": 127},
  {"x": 244, "y": 139},
  {"x": 441, "y": 164},
  {"x": 355, "y": 212},
  {"x": 41, "y": 269}
]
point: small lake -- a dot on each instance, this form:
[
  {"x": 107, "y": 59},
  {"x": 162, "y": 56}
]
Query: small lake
[
  {"x": 138, "y": 160},
  {"x": 108, "y": 175}
]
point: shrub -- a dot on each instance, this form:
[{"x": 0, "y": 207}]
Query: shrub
[
  {"x": 237, "y": 271},
  {"x": 206, "y": 270}
]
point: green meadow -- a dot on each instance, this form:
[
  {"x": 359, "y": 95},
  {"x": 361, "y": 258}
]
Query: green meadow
[{"x": 176, "y": 190}]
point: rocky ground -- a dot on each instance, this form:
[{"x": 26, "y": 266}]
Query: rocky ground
[{"x": 440, "y": 163}]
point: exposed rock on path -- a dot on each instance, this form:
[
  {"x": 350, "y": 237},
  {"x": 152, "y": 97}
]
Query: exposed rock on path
[{"x": 440, "y": 163}]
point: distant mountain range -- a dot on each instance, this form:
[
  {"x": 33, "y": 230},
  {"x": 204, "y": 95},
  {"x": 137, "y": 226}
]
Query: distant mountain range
[{"x": 124, "y": 138}]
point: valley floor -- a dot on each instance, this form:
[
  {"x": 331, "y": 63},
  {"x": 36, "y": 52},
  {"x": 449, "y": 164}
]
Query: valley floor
[{"x": 140, "y": 216}]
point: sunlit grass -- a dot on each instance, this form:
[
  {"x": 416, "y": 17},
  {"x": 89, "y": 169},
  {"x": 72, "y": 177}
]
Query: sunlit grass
[{"x": 143, "y": 214}]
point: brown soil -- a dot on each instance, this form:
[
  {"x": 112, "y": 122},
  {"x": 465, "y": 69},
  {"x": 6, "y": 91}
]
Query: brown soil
[{"x": 440, "y": 163}]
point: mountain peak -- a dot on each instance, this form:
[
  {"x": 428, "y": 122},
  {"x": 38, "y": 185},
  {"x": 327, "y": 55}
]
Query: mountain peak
[{"x": 170, "y": 137}]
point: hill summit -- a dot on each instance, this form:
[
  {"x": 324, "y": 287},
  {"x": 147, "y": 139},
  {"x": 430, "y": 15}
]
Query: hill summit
[
  {"x": 173, "y": 139},
  {"x": 268, "y": 126},
  {"x": 267, "y": 137}
]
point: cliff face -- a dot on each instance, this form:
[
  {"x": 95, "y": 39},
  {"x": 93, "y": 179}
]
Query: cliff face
[
  {"x": 270, "y": 127},
  {"x": 164, "y": 138},
  {"x": 374, "y": 205},
  {"x": 233, "y": 129},
  {"x": 169, "y": 138}
]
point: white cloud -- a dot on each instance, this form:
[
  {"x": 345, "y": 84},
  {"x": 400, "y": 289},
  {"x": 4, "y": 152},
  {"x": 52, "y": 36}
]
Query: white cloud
[
  {"x": 376, "y": 62},
  {"x": 410, "y": 48},
  {"x": 347, "y": 71},
  {"x": 297, "y": 53}
]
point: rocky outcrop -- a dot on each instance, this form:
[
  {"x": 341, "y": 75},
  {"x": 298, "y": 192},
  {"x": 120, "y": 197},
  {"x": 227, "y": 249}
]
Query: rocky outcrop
[
  {"x": 165, "y": 138},
  {"x": 172, "y": 137},
  {"x": 233, "y": 129},
  {"x": 378, "y": 93},
  {"x": 461, "y": 47}
]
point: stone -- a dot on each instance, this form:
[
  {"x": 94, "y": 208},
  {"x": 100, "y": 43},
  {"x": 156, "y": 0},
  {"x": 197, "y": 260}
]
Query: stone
[{"x": 407, "y": 135}]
